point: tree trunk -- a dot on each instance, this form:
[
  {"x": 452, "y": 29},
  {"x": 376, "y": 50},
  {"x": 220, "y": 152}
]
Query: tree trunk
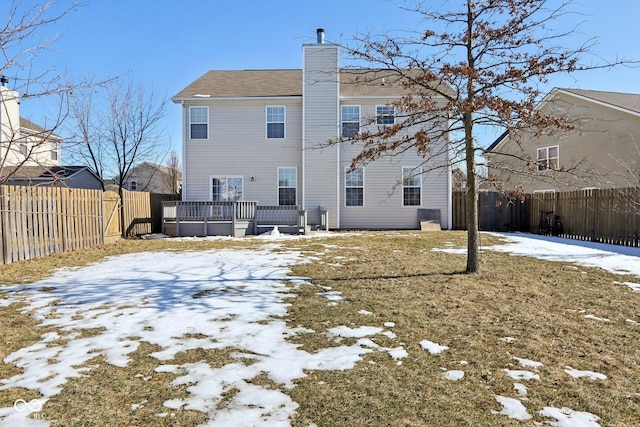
[
  {"x": 473, "y": 237},
  {"x": 473, "y": 233}
]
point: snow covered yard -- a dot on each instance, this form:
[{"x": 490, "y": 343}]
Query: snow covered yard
[{"x": 237, "y": 337}]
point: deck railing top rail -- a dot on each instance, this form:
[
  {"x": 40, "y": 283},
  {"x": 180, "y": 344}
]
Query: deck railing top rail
[{"x": 209, "y": 210}]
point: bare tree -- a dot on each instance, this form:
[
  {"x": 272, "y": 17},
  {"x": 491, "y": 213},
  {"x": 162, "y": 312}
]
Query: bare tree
[
  {"x": 23, "y": 36},
  {"x": 116, "y": 126},
  {"x": 629, "y": 175},
  {"x": 85, "y": 141},
  {"x": 132, "y": 127},
  {"x": 173, "y": 173},
  {"x": 480, "y": 63}
]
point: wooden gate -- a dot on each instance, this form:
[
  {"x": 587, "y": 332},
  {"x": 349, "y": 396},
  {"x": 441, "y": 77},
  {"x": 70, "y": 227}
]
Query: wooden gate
[{"x": 111, "y": 215}]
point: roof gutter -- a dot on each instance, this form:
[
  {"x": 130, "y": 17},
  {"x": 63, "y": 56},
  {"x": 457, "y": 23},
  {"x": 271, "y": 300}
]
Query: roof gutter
[{"x": 234, "y": 98}]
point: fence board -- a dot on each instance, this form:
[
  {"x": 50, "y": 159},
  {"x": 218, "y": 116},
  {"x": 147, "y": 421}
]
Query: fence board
[
  {"x": 606, "y": 216},
  {"x": 3, "y": 221},
  {"x": 39, "y": 221}
]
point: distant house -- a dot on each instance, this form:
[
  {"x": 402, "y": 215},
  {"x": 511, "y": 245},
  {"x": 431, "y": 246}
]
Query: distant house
[
  {"x": 153, "y": 178},
  {"x": 600, "y": 150},
  {"x": 262, "y": 135},
  {"x": 54, "y": 176},
  {"x": 22, "y": 142}
]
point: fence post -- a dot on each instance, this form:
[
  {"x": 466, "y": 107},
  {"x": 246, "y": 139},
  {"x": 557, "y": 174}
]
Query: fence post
[{"x": 3, "y": 222}]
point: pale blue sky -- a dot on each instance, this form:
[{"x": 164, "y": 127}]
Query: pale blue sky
[{"x": 169, "y": 43}]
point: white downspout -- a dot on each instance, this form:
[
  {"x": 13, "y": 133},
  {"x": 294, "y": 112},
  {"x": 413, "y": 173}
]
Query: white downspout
[
  {"x": 449, "y": 187},
  {"x": 184, "y": 152},
  {"x": 338, "y": 146},
  {"x": 303, "y": 192}
]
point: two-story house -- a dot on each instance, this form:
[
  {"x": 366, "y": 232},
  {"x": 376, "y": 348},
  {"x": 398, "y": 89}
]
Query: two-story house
[
  {"x": 262, "y": 135},
  {"x": 596, "y": 146},
  {"x": 153, "y": 178},
  {"x": 22, "y": 142}
]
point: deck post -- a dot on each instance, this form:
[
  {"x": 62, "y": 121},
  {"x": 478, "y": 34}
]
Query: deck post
[
  {"x": 234, "y": 213},
  {"x": 302, "y": 221},
  {"x": 205, "y": 215},
  {"x": 178, "y": 219},
  {"x": 324, "y": 218}
]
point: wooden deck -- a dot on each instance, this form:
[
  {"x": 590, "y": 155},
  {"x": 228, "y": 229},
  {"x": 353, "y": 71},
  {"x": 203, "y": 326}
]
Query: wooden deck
[{"x": 239, "y": 218}]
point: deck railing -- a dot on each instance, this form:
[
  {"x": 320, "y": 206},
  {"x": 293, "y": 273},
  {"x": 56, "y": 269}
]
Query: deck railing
[{"x": 235, "y": 213}]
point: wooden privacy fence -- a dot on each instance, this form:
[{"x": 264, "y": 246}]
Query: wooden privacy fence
[
  {"x": 495, "y": 212},
  {"x": 606, "y": 216},
  {"x": 39, "y": 221}
]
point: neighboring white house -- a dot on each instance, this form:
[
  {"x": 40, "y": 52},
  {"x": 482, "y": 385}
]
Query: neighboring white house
[
  {"x": 261, "y": 135},
  {"x": 22, "y": 142}
]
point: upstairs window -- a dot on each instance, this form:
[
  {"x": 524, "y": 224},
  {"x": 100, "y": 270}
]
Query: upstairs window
[
  {"x": 354, "y": 187},
  {"x": 411, "y": 187},
  {"x": 275, "y": 122},
  {"x": 133, "y": 186},
  {"x": 54, "y": 154},
  {"x": 350, "y": 120},
  {"x": 199, "y": 122},
  {"x": 386, "y": 114},
  {"x": 548, "y": 158},
  {"x": 24, "y": 150},
  {"x": 287, "y": 183}
]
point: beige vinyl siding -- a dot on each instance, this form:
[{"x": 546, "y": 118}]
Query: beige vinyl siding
[
  {"x": 237, "y": 146},
  {"x": 383, "y": 195},
  {"x": 321, "y": 118},
  {"x": 594, "y": 152}
]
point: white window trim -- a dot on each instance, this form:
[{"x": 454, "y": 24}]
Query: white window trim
[
  {"x": 212, "y": 177},
  {"x": 417, "y": 172},
  {"x": 547, "y": 159},
  {"x": 278, "y": 187},
  {"x": 190, "y": 123},
  {"x": 346, "y": 170},
  {"x": 342, "y": 121},
  {"x": 266, "y": 121},
  {"x": 378, "y": 115}
]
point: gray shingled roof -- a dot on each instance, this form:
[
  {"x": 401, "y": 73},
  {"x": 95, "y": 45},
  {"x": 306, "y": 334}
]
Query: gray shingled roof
[
  {"x": 628, "y": 101},
  {"x": 245, "y": 83},
  {"x": 43, "y": 172},
  {"x": 29, "y": 126},
  {"x": 276, "y": 83}
]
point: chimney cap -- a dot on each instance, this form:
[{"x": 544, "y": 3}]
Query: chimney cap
[
  {"x": 4, "y": 80},
  {"x": 320, "y": 34}
]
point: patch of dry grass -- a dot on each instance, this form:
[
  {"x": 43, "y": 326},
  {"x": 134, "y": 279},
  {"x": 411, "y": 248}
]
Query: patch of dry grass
[
  {"x": 17, "y": 331},
  {"x": 108, "y": 395},
  {"x": 398, "y": 278},
  {"x": 542, "y": 304}
]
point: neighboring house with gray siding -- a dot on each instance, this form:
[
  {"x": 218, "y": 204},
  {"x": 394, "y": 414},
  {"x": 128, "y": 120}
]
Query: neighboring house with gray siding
[
  {"x": 261, "y": 135},
  {"x": 601, "y": 148},
  {"x": 54, "y": 176},
  {"x": 153, "y": 178}
]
